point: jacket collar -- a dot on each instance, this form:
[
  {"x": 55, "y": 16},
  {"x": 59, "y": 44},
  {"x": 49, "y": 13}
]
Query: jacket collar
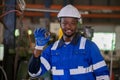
[{"x": 73, "y": 42}]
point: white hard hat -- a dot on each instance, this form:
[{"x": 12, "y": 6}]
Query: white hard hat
[{"x": 69, "y": 11}]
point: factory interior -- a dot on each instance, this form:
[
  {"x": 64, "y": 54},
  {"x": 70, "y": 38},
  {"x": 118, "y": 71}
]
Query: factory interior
[{"x": 100, "y": 22}]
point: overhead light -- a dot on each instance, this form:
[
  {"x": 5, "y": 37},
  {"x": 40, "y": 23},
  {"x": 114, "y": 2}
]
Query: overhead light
[
  {"x": 86, "y": 12},
  {"x": 17, "y": 32},
  {"x": 29, "y": 32},
  {"x": 101, "y": 11},
  {"x": 107, "y": 11}
]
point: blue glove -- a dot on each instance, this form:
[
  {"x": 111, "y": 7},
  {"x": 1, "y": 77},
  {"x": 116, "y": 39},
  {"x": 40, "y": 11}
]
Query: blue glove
[{"x": 41, "y": 36}]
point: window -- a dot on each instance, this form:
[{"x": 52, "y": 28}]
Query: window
[{"x": 105, "y": 41}]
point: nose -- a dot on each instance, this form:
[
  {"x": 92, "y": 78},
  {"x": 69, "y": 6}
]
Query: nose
[{"x": 68, "y": 25}]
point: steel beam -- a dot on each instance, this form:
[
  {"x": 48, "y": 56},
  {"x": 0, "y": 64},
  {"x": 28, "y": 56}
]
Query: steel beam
[
  {"x": 39, "y": 9},
  {"x": 41, "y": 14},
  {"x": 80, "y": 7}
]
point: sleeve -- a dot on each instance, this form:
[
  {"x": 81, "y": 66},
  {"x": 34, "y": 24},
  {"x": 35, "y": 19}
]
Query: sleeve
[
  {"x": 100, "y": 68},
  {"x": 38, "y": 66},
  {"x": 34, "y": 66}
]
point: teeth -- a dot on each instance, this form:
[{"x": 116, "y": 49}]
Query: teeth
[{"x": 68, "y": 31}]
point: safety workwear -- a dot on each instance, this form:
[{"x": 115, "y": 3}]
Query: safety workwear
[
  {"x": 41, "y": 38},
  {"x": 69, "y": 11},
  {"x": 78, "y": 60}
]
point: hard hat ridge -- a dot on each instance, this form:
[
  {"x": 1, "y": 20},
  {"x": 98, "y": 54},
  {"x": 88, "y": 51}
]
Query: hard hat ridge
[{"x": 69, "y": 11}]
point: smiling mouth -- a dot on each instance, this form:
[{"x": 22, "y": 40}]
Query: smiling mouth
[{"x": 68, "y": 31}]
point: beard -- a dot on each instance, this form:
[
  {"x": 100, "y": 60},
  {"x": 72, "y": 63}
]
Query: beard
[{"x": 69, "y": 36}]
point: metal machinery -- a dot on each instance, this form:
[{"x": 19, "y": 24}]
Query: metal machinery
[{"x": 86, "y": 31}]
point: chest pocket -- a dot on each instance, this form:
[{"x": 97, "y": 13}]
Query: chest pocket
[
  {"x": 55, "y": 57},
  {"x": 80, "y": 58}
]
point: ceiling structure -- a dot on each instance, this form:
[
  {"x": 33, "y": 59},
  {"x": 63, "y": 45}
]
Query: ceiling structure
[{"x": 92, "y": 11}]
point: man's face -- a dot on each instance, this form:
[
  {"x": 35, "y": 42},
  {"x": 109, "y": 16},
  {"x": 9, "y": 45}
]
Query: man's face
[{"x": 69, "y": 26}]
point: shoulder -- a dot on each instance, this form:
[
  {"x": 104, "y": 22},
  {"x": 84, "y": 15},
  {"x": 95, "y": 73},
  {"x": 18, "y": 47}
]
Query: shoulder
[
  {"x": 55, "y": 45},
  {"x": 87, "y": 43},
  {"x": 52, "y": 45}
]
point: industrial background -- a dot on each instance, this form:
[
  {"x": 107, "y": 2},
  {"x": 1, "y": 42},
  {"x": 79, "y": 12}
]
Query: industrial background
[{"x": 19, "y": 18}]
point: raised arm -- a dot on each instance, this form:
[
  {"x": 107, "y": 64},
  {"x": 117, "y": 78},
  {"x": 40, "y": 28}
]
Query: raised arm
[{"x": 41, "y": 38}]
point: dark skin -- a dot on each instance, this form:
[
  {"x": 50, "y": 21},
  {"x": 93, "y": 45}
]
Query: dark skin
[{"x": 69, "y": 28}]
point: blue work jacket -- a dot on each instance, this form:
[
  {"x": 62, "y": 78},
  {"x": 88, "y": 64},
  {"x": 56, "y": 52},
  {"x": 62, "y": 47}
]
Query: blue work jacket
[{"x": 78, "y": 60}]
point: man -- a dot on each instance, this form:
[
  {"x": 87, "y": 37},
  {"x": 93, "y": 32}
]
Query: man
[{"x": 73, "y": 57}]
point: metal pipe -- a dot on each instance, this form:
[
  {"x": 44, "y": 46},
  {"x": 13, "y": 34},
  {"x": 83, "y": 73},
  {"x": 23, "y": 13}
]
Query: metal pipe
[
  {"x": 41, "y": 10},
  {"x": 111, "y": 65}
]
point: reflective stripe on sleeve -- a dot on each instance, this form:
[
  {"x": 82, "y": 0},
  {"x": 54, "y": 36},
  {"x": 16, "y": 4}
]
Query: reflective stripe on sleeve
[
  {"x": 99, "y": 65},
  {"x": 104, "y": 77},
  {"x": 37, "y": 74},
  {"x": 57, "y": 72},
  {"x": 45, "y": 63},
  {"x": 81, "y": 70},
  {"x": 82, "y": 43}
]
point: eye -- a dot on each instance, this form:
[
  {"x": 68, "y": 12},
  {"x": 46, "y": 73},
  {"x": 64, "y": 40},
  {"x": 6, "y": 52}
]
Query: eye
[
  {"x": 73, "y": 23},
  {"x": 64, "y": 23},
  {"x": 70, "y": 24}
]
